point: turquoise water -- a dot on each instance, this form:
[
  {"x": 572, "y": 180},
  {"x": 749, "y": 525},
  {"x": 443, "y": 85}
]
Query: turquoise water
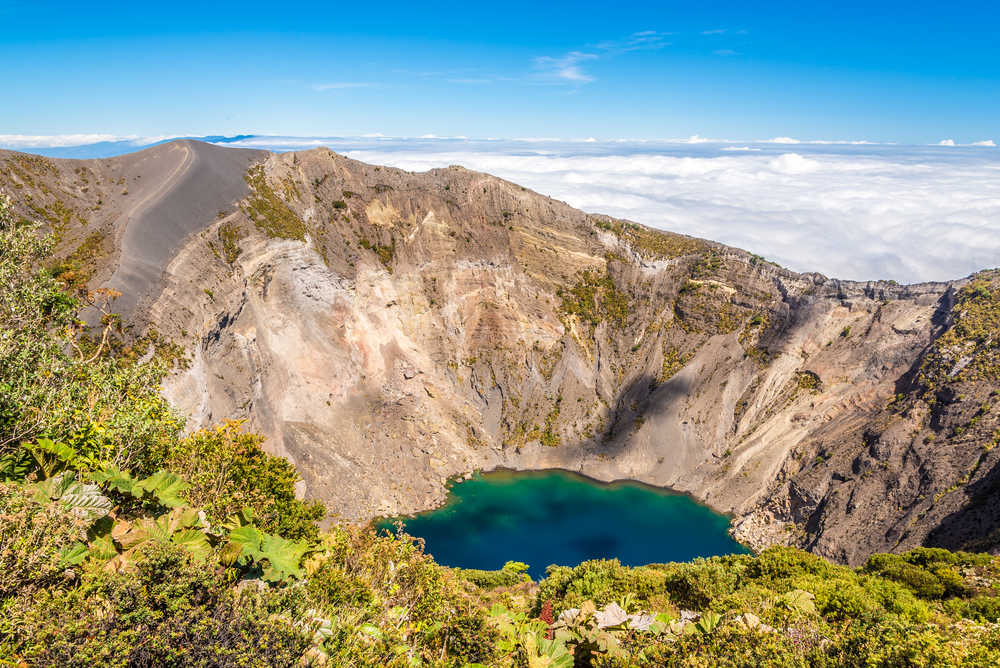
[{"x": 554, "y": 517}]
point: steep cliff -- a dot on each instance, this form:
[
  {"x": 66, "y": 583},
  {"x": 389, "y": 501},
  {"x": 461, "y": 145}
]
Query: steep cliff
[{"x": 389, "y": 330}]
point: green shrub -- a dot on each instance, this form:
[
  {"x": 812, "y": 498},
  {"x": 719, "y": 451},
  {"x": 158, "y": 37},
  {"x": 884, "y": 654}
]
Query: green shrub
[
  {"x": 512, "y": 573},
  {"x": 32, "y": 537},
  {"x": 928, "y": 572},
  {"x": 57, "y": 383},
  {"x": 980, "y": 608},
  {"x": 697, "y": 584},
  {"x": 167, "y": 613},
  {"x": 732, "y": 647},
  {"x": 228, "y": 471},
  {"x": 602, "y": 581}
]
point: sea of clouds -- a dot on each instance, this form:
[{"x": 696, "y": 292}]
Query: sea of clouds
[
  {"x": 856, "y": 211},
  {"x": 850, "y": 210}
]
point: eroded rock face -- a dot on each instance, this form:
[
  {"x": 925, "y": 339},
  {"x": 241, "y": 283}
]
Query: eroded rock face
[{"x": 389, "y": 330}]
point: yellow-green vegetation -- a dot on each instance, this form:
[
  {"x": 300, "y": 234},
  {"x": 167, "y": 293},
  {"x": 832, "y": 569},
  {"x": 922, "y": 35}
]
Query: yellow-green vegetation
[
  {"x": 229, "y": 238},
  {"x": 549, "y": 436},
  {"x": 76, "y": 270},
  {"x": 706, "y": 307},
  {"x": 513, "y": 573},
  {"x": 649, "y": 243},
  {"x": 708, "y": 265},
  {"x": 125, "y": 542},
  {"x": 809, "y": 381},
  {"x": 24, "y": 167},
  {"x": 750, "y": 336},
  {"x": 969, "y": 350},
  {"x": 595, "y": 298},
  {"x": 754, "y": 327},
  {"x": 268, "y": 211},
  {"x": 673, "y": 361},
  {"x": 385, "y": 254},
  {"x": 167, "y": 351}
]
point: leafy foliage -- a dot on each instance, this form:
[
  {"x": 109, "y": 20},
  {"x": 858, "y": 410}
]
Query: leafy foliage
[
  {"x": 82, "y": 500},
  {"x": 228, "y": 471},
  {"x": 163, "y": 487},
  {"x": 57, "y": 384}
]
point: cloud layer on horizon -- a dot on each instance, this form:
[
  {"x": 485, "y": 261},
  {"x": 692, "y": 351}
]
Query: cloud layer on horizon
[
  {"x": 853, "y": 210},
  {"x": 902, "y": 214}
]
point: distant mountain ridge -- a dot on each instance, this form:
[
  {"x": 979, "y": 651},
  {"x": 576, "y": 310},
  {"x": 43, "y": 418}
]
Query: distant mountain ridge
[{"x": 388, "y": 330}]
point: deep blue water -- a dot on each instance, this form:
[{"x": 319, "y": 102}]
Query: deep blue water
[{"x": 554, "y": 517}]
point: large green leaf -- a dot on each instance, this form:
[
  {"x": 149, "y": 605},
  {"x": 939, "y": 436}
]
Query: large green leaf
[
  {"x": 60, "y": 451},
  {"x": 194, "y": 541},
  {"x": 81, "y": 499},
  {"x": 243, "y": 545},
  {"x": 283, "y": 557},
  {"x": 116, "y": 479},
  {"x": 74, "y": 554},
  {"x": 164, "y": 486},
  {"x": 800, "y": 600},
  {"x": 16, "y": 465},
  {"x": 103, "y": 548}
]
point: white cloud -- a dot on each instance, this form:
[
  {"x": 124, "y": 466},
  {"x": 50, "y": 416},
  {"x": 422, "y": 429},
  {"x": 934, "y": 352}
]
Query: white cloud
[
  {"x": 716, "y": 31},
  {"x": 850, "y": 211},
  {"x": 37, "y": 141},
  {"x": 567, "y": 68},
  {"x": 637, "y": 41},
  {"x": 946, "y": 142},
  {"x": 985, "y": 142}
]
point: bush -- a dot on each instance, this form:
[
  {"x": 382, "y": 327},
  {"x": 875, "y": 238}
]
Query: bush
[
  {"x": 56, "y": 383},
  {"x": 512, "y": 573},
  {"x": 228, "y": 471},
  {"x": 929, "y": 573},
  {"x": 697, "y": 584},
  {"x": 602, "y": 581},
  {"x": 31, "y": 539},
  {"x": 732, "y": 647},
  {"x": 168, "y": 613}
]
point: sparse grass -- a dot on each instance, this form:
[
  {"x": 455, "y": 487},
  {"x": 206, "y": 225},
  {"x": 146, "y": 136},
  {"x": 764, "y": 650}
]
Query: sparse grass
[
  {"x": 548, "y": 436},
  {"x": 673, "y": 361},
  {"x": 650, "y": 243},
  {"x": 268, "y": 211},
  {"x": 595, "y": 298},
  {"x": 229, "y": 236},
  {"x": 969, "y": 350},
  {"x": 385, "y": 254},
  {"x": 808, "y": 380},
  {"x": 80, "y": 265}
]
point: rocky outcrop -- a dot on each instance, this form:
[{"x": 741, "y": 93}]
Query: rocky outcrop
[{"x": 389, "y": 330}]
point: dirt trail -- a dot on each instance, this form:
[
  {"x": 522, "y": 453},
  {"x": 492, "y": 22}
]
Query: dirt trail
[{"x": 189, "y": 184}]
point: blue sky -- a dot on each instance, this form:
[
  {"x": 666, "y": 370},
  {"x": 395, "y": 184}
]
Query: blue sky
[{"x": 911, "y": 72}]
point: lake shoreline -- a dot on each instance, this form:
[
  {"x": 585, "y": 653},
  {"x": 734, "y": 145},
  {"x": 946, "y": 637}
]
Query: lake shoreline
[{"x": 560, "y": 516}]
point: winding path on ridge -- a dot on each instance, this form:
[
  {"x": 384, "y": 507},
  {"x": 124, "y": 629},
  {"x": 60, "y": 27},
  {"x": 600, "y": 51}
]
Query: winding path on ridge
[{"x": 181, "y": 188}]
